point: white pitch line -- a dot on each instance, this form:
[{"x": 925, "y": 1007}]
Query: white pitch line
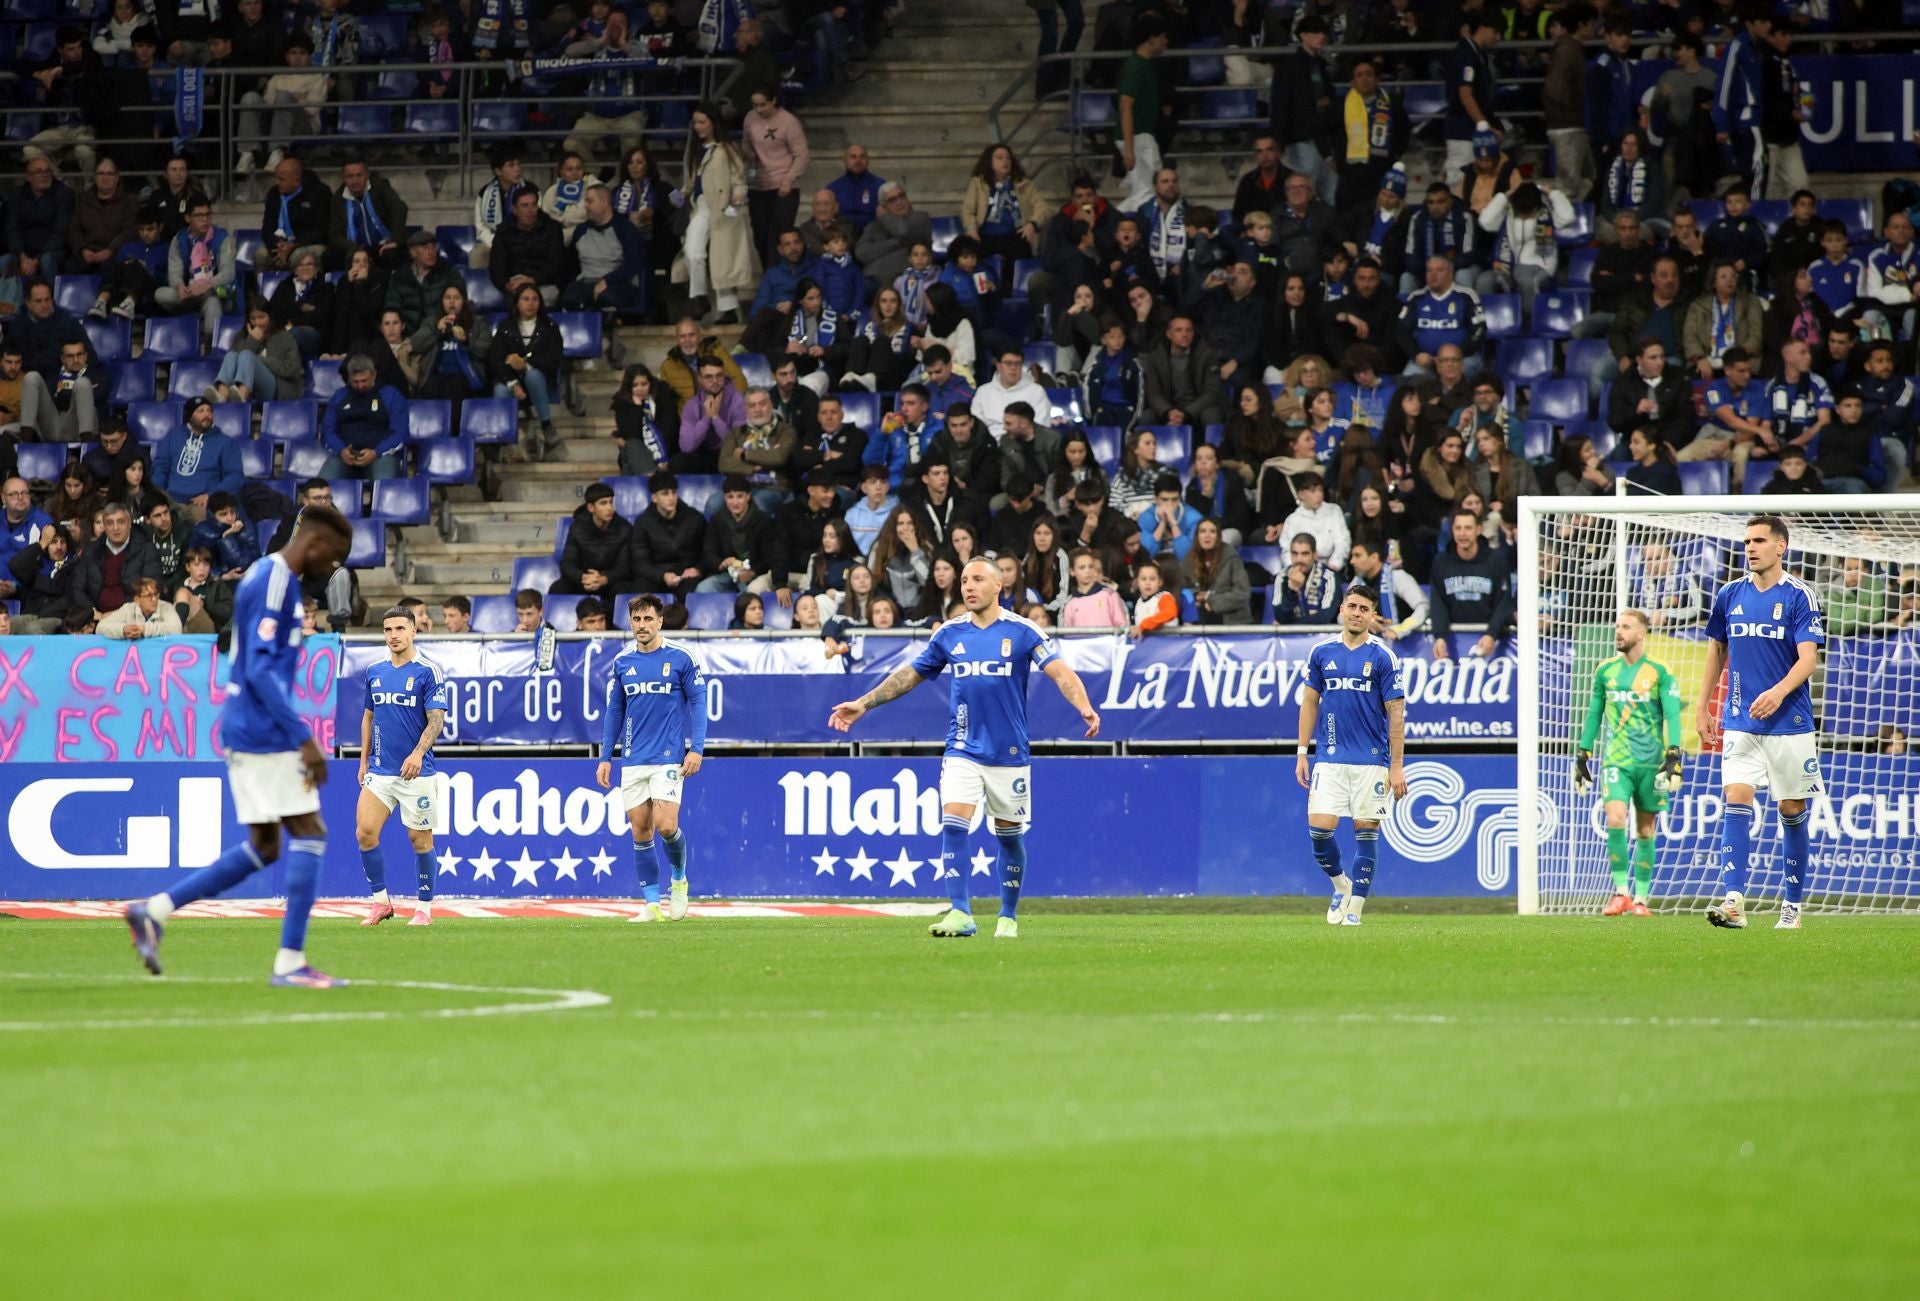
[
  {"x": 1294, "y": 1018},
  {"x": 563, "y": 1000}
]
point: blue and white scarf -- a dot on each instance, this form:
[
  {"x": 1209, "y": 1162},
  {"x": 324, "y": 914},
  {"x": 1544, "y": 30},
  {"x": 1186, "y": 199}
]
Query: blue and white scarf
[
  {"x": 1003, "y": 210},
  {"x": 818, "y": 331},
  {"x": 567, "y": 193},
  {"x": 1627, "y": 183},
  {"x": 719, "y": 21},
  {"x": 650, "y": 433},
  {"x": 1167, "y": 238},
  {"x": 631, "y": 196},
  {"x": 897, "y": 342},
  {"x": 1723, "y": 321},
  {"x": 502, "y": 22},
  {"x": 912, "y": 286},
  {"x": 1376, "y": 241},
  {"x": 363, "y": 223}
]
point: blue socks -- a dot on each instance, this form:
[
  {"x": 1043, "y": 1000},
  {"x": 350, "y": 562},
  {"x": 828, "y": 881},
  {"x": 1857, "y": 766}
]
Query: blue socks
[
  {"x": 676, "y": 844},
  {"x": 303, "y": 884},
  {"x": 423, "y": 869},
  {"x": 1793, "y": 831},
  {"x": 953, "y": 860},
  {"x": 1013, "y": 867},
  {"x": 1366, "y": 852},
  {"x": 1736, "y": 843},
  {"x": 648, "y": 866},
  {"x": 229, "y": 870},
  {"x": 1326, "y": 851},
  {"x": 374, "y": 864}
]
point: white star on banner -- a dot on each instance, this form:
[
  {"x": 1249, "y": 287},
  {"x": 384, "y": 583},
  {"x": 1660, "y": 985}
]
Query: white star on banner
[
  {"x": 450, "y": 863},
  {"x": 982, "y": 863},
  {"x": 526, "y": 868},
  {"x": 602, "y": 863},
  {"x": 903, "y": 869},
  {"x": 860, "y": 867},
  {"x": 823, "y": 862},
  {"x": 563, "y": 866},
  {"x": 483, "y": 865}
]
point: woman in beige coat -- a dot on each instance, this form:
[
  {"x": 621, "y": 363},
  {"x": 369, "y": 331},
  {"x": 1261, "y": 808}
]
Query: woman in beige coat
[
  {"x": 721, "y": 266},
  {"x": 1001, "y": 207}
]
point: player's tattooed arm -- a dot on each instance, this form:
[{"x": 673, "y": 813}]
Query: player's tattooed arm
[
  {"x": 436, "y": 721},
  {"x": 898, "y": 683}
]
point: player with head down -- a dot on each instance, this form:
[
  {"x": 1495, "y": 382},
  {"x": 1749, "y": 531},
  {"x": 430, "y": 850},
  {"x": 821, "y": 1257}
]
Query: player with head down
[{"x": 987, "y": 654}]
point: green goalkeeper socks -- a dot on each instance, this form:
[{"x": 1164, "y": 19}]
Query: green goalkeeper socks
[
  {"x": 1642, "y": 868},
  {"x": 1617, "y": 857}
]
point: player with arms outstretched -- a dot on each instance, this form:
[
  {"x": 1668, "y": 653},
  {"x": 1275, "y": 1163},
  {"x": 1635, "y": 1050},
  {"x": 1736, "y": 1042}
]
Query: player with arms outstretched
[
  {"x": 274, "y": 766},
  {"x": 988, "y": 653},
  {"x": 656, "y": 718},
  {"x": 1640, "y": 703},
  {"x": 1766, "y": 630},
  {"x": 1358, "y": 678},
  {"x": 406, "y": 708}
]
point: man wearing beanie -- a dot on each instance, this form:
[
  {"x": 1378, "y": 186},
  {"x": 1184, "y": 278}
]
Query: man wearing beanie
[{"x": 195, "y": 461}]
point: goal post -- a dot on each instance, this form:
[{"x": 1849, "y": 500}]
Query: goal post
[{"x": 1583, "y": 560}]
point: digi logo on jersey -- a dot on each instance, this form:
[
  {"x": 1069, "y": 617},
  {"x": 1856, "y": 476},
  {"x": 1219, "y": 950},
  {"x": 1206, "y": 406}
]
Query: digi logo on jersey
[
  {"x": 403, "y": 699},
  {"x": 1349, "y": 684},
  {"x": 982, "y": 669},
  {"x": 648, "y": 688},
  {"x": 1772, "y": 632},
  {"x": 69, "y": 823}
]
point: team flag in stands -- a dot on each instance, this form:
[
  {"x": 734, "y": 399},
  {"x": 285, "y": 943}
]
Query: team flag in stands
[
  {"x": 558, "y": 64},
  {"x": 189, "y": 105}
]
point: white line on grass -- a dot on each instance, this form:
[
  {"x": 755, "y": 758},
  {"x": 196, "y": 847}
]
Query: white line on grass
[
  {"x": 559, "y": 1000},
  {"x": 1299, "y": 1018}
]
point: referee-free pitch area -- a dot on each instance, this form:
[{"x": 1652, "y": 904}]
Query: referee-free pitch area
[{"x": 1168, "y": 1103}]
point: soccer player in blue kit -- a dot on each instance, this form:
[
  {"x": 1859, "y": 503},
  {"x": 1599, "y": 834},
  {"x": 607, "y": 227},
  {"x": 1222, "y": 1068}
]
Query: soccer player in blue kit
[
  {"x": 988, "y": 653},
  {"x": 1766, "y": 630},
  {"x": 1365, "y": 722},
  {"x": 274, "y": 766},
  {"x": 656, "y": 717},
  {"x": 406, "y": 708}
]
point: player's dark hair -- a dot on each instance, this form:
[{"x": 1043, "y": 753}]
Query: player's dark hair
[
  {"x": 220, "y": 501},
  {"x": 201, "y": 552},
  {"x": 1363, "y": 591},
  {"x": 1166, "y": 483},
  {"x": 325, "y": 517},
  {"x": 413, "y": 603},
  {"x": 528, "y": 599},
  {"x": 397, "y": 612},
  {"x": 587, "y": 606},
  {"x": 1771, "y": 523},
  {"x": 457, "y": 602},
  {"x": 1308, "y": 481},
  {"x": 1735, "y": 356},
  {"x": 920, "y": 390},
  {"x": 646, "y": 601},
  {"x": 663, "y": 481}
]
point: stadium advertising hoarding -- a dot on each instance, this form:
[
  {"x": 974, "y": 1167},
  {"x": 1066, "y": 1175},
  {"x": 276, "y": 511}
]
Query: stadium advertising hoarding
[
  {"x": 92, "y": 700},
  {"x": 1231, "y": 687},
  {"x": 1864, "y": 111},
  {"x": 854, "y": 828}
]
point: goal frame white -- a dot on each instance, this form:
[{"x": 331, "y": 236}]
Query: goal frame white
[{"x": 1527, "y": 614}]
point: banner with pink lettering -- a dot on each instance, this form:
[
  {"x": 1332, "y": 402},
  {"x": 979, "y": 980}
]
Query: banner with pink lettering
[{"x": 90, "y": 700}]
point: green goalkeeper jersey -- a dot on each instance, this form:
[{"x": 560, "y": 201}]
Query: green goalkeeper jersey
[{"x": 1634, "y": 699}]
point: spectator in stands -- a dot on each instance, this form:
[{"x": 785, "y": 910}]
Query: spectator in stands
[
  {"x": 891, "y": 235},
  {"x": 1579, "y": 470},
  {"x": 1564, "y": 96},
  {"x": 1794, "y": 475},
  {"x": 905, "y": 434},
  {"x": 195, "y": 461},
  {"x": 646, "y": 423},
  {"x": 202, "y": 601},
  {"x": 422, "y": 620},
  {"x": 1010, "y": 384},
  {"x": 296, "y": 214},
  {"x": 667, "y": 540},
  {"x": 1001, "y": 209},
  {"x": 1366, "y": 314},
  {"x": 1796, "y": 312},
  {"x": 103, "y": 220},
  {"x": 1838, "y": 362},
  {"x": 363, "y": 426},
  {"x": 1738, "y": 238},
  {"x": 794, "y": 402},
  {"x": 1654, "y": 471},
  {"x": 1470, "y": 585},
  {"x": 719, "y": 238},
  {"x": 707, "y": 418},
  {"x": 1319, "y": 518},
  {"x": 41, "y": 577},
  {"x": 742, "y": 544},
  {"x": 1633, "y": 184},
  {"x": 1293, "y": 329},
  {"x": 1307, "y": 591},
  {"x": 645, "y": 200},
  {"x": 76, "y": 501},
  {"x": 1848, "y": 453},
  {"x": 565, "y": 199},
  {"x": 402, "y": 361},
  {"x": 454, "y": 346},
  {"x": 599, "y": 549},
  {"x": 64, "y": 406},
  {"x": 1854, "y": 601},
  {"x": 1656, "y": 311},
  {"x": 172, "y": 194},
  {"x": 224, "y": 532},
  {"x": 1138, "y": 476},
  {"x": 529, "y": 249},
  {"x": 775, "y": 145},
  {"x": 134, "y": 270},
  {"x": 1501, "y": 475},
  {"x": 359, "y": 303},
  {"x": 1139, "y": 125},
  {"x": 680, "y": 368},
  {"x": 524, "y": 357},
  {"x": 304, "y": 304},
  {"x": 1091, "y": 601},
  {"x": 1798, "y": 400},
  {"x": 529, "y": 610},
  {"x": 366, "y": 213},
  {"x": 113, "y": 452},
  {"x": 1623, "y": 267},
  {"x": 611, "y": 260},
  {"x": 1375, "y": 132},
  {"x": 262, "y": 366},
  {"x": 1304, "y": 227},
  {"x": 494, "y": 205},
  {"x": 824, "y": 214},
  {"x": 749, "y": 614},
  {"x": 1526, "y": 254},
  {"x": 949, "y": 326},
  {"x": 1444, "y": 313},
  {"x": 780, "y": 285},
  {"x": 417, "y": 288},
  {"x": 1231, "y": 318},
  {"x": 145, "y": 615},
  {"x": 1443, "y": 477},
  {"x": 1027, "y": 450},
  {"x": 866, "y": 516},
  {"x": 1443, "y": 229},
  {"x": 335, "y": 35},
  {"x": 114, "y": 563},
  {"x": 1219, "y": 494},
  {"x": 1167, "y": 523},
  {"x": 759, "y": 449},
  {"x": 200, "y": 274},
  {"x": 456, "y": 612},
  {"x": 1887, "y": 404},
  {"x": 901, "y": 558},
  {"x": 1652, "y": 397},
  {"x": 941, "y": 511},
  {"x": 23, "y": 522},
  {"x": 972, "y": 458},
  {"x": 856, "y": 190},
  {"x": 80, "y": 98},
  {"x": 1157, "y": 604},
  {"x": 1400, "y": 605},
  {"x": 590, "y": 614}
]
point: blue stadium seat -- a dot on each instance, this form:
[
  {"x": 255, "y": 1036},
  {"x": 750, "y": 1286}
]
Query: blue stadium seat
[
  {"x": 349, "y": 497},
  {"x": 383, "y": 35},
  {"x": 75, "y": 294},
  {"x": 493, "y": 118},
  {"x": 456, "y": 244},
  {"x": 945, "y": 231},
  {"x": 1523, "y": 360},
  {"x": 1105, "y": 441},
  {"x": 1173, "y": 446},
  {"x": 490, "y": 421},
  {"x": 1597, "y": 432},
  {"x": 112, "y": 338},
  {"x": 1704, "y": 478},
  {"x": 1267, "y": 555},
  {"x": 1555, "y": 314},
  {"x": 403, "y": 501},
  {"x": 700, "y": 492},
  {"x": 190, "y": 379},
  {"x": 324, "y": 380},
  {"x": 579, "y": 334},
  {"x": 1206, "y": 69},
  {"x": 1561, "y": 401},
  {"x": 256, "y": 459},
  {"x": 629, "y": 495},
  {"x": 295, "y": 421},
  {"x": 248, "y": 246},
  {"x": 432, "y": 119},
  {"x": 1536, "y": 439},
  {"x": 1771, "y": 212},
  {"x": 1044, "y": 355},
  {"x": 1759, "y": 474},
  {"x": 397, "y": 85},
  {"x": 225, "y": 331},
  {"x": 36, "y": 42},
  {"x": 1579, "y": 273},
  {"x": 482, "y": 293},
  {"x": 1503, "y": 315},
  {"x": 862, "y": 410},
  {"x": 1065, "y": 405},
  {"x": 1581, "y": 353},
  {"x": 1856, "y": 214},
  {"x": 263, "y": 531},
  {"x": 493, "y": 614},
  {"x": 754, "y": 366},
  {"x": 152, "y": 421},
  {"x": 429, "y": 418},
  {"x": 1092, "y": 110},
  {"x": 30, "y": 11},
  {"x": 537, "y": 572},
  {"x": 708, "y": 611},
  {"x": 234, "y": 419},
  {"x": 1423, "y": 98},
  {"x": 1217, "y": 110},
  {"x": 172, "y": 338},
  {"x": 269, "y": 281},
  {"x": 449, "y": 461},
  {"x": 778, "y": 617},
  {"x": 560, "y": 613},
  {"x": 1706, "y": 211},
  {"x": 561, "y": 528},
  {"x": 619, "y": 604},
  {"x": 1580, "y": 229},
  {"x": 133, "y": 381},
  {"x": 1013, "y": 317},
  {"x": 1023, "y": 271},
  {"x": 45, "y": 461},
  {"x": 304, "y": 460}
]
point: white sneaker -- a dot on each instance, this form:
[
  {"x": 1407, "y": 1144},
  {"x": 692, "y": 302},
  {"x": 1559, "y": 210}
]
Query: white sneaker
[
  {"x": 1349, "y": 919},
  {"x": 1728, "y": 915},
  {"x": 1789, "y": 917},
  {"x": 1006, "y": 929},
  {"x": 243, "y": 165},
  {"x": 677, "y": 900},
  {"x": 1337, "y": 906},
  {"x": 275, "y": 158},
  {"x": 125, "y": 307},
  {"x": 649, "y": 912}
]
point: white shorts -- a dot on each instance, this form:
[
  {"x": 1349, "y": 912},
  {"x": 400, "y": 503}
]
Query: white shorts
[
  {"x": 1789, "y": 766},
  {"x": 269, "y": 787},
  {"x": 1003, "y": 793},
  {"x": 417, "y": 799},
  {"x": 1348, "y": 790},
  {"x": 650, "y": 781}
]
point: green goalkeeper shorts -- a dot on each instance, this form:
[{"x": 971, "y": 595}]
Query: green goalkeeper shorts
[{"x": 1638, "y": 786}]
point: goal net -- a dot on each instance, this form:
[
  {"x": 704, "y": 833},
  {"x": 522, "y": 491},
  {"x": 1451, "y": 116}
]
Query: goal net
[{"x": 1582, "y": 561}]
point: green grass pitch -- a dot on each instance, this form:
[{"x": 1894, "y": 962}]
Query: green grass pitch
[{"x": 1176, "y": 1103}]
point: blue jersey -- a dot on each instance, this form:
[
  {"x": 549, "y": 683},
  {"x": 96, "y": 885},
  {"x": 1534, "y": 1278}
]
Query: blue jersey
[
  {"x": 1749, "y": 403},
  {"x": 1837, "y": 284},
  {"x": 656, "y": 706},
  {"x": 399, "y": 697},
  {"x": 259, "y": 717},
  {"x": 989, "y": 667},
  {"x": 1763, "y": 632},
  {"x": 1355, "y": 683}
]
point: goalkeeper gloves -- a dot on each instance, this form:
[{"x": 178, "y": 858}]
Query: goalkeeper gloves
[
  {"x": 1670, "y": 770},
  {"x": 1582, "y": 772}
]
